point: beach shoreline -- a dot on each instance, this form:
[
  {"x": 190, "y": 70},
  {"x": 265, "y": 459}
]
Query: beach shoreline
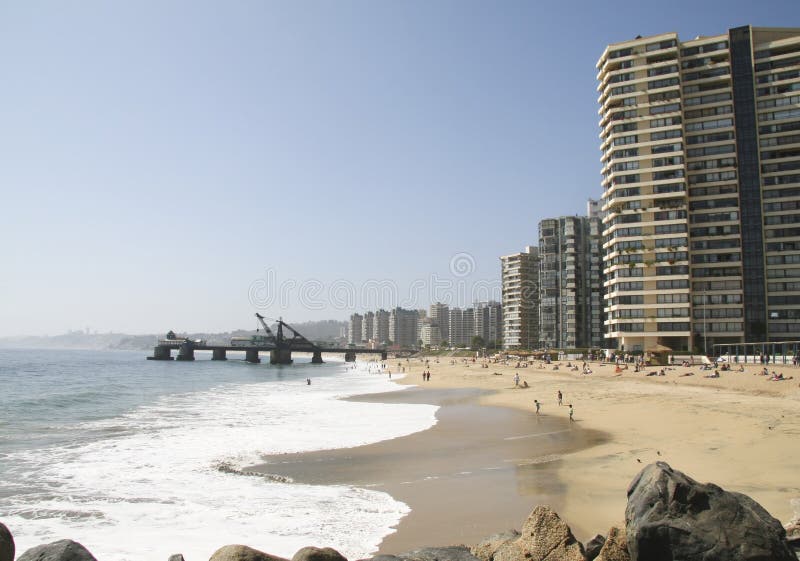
[
  {"x": 738, "y": 431},
  {"x": 479, "y": 470}
]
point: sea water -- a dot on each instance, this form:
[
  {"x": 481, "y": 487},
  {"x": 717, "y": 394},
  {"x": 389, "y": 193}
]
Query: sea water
[{"x": 123, "y": 455}]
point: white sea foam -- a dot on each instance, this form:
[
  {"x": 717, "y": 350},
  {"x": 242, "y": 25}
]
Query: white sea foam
[{"x": 152, "y": 488}]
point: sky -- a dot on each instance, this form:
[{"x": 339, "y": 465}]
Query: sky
[{"x": 183, "y": 164}]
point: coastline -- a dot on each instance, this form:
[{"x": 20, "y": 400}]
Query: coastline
[
  {"x": 478, "y": 471},
  {"x": 738, "y": 430}
]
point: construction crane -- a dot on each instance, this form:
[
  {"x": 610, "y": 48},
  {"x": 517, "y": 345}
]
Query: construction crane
[{"x": 270, "y": 335}]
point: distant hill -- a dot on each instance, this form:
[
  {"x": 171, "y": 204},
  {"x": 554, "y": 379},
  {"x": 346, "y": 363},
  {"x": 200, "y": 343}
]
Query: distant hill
[{"x": 326, "y": 330}]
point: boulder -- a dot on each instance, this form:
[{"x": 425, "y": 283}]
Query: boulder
[
  {"x": 593, "y": 547},
  {"x": 237, "y": 552},
  {"x": 670, "y": 516},
  {"x": 176, "y": 557},
  {"x": 544, "y": 537},
  {"x": 317, "y": 554},
  {"x": 62, "y": 550},
  {"x": 6, "y": 544},
  {"x": 615, "y": 547},
  {"x": 486, "y": 549}
]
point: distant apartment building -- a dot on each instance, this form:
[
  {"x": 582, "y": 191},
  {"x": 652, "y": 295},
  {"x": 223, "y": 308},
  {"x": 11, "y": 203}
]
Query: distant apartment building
[
  {"x": 367, "y": 326},
  {"x": 700, "y": 159},
  {"x": 440, "y": 316},
  {"x": 488, "y": 323},
  {"x": 429, "y": 333},
  {"x": 461, "y": 326},
  {"x": 380, "y": 327},
  {"x": 520, "y": 279},
  {"x": 594, "y": 208},
  {"x": 570, "y": 307},
  {"x": 403, "y": 327},
  {"x": 354, "y": 329}
]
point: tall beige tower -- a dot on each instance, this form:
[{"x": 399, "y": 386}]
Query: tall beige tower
[{"x": 701, "y": 152}]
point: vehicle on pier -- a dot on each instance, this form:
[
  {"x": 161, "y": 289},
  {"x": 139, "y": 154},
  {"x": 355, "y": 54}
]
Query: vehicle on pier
[{"x": 252, "y": 341}]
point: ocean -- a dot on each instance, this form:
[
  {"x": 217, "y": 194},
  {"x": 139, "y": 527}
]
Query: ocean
[{"x": 124, "y": 455}]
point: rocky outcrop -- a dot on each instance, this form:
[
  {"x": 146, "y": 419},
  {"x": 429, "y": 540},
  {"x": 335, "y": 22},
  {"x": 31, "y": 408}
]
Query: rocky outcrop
[
  {"x": 670, "y": 516},
  {"x": 615, "y": 547},
  {"x": 486, "y": 549},
  {"x": 6, "y": 544},
  {"x": 242, "y": 553},
  {"x": 318, "y": 554},
  {"x": 593, "y": 547},
  {"x": 544, "y": 537},
  {"x": 62, "y": 550},
  {"x": 176, "y": 557}
]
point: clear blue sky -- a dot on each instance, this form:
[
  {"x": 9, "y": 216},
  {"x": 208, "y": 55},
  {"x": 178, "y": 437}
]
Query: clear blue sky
[{"x": 158, "y": 158}]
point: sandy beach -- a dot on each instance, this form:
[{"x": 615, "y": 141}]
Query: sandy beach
[
  {"x": 739, "y": 431},
  {"x": 486, "y": 464}
]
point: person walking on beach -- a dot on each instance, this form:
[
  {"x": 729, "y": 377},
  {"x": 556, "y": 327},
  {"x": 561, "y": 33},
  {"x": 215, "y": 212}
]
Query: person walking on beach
[
  {"x": 560, "y": 397},
  {"x": 571, "y": 412},
  {"x": 538, "y": 405},
  {"x": 516, "y": 380}
]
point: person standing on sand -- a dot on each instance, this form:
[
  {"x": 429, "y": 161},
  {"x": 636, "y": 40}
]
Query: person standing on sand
[
  {"x": 571, "y": 412},
  {"x": 560, "y": 397},
  {"x": 538, "y": 405},
  {"x": 516, "y": 380}
]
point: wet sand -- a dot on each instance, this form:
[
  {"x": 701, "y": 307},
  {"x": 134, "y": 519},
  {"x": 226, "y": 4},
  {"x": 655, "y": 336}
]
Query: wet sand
[{"x": 480, "y": 470}]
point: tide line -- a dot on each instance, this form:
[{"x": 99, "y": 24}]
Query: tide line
[{"x": 535, "y": 435}]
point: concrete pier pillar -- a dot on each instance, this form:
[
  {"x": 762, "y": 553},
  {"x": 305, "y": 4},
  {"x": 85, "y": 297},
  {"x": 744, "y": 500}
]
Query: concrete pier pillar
[
  {"x": 186, "y": 352},
  {"x": 280, "y": 356},
  {"x": 251, "y": 356},
  {"x": 349, "y": 356},
  {"x": 161, "y": 353},
  {"x": 316, "y": 358},
  {"x": 218, "y": 354}
]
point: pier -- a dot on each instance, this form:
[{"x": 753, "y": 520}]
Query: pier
[{"x": 279, "y": 346}]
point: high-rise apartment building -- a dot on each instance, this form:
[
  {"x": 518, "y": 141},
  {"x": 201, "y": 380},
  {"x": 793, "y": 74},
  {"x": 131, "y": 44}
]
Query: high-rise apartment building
[
  {"x": 355, "y": 329},
  {"x": 380, "y": 327},
  {"x": 462, "y": 326},
  {"x": 440, "y": 316},
  {"x": 569, "y": 283},
  {"x": 403, "y": 327},
  {"x": 488, "y": 322},
  {"x": 701, "y": 152},
  {"x": 520, "y": 279},
  {"x": 367, "y": 326}
]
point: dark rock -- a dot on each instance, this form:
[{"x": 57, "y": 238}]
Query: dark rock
[
  {"x": 593, "y": 547},
  {"x": 237, "y": 552},
  {"x": 62, "y": 550},
  {"x": 451, "y": 553},
  {"x": 6, "y": 544},
  {"x": 176, "y": 557},
  {"x": 615, "y": 547},
  {"x": 317, "y": 554},
  {"x": 486, "y": 549},
  {"x": 670, "y": 516},
  {"x": 544, "y": 537}
]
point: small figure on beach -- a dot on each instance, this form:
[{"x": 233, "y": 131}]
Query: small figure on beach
[
  {"x": 538, "y": 405},
  {"x": 308, "y": 381},
  {"x": 560, "y": 397},
  {"x": 516, "y": 380},
  {"x": 571, "y": 412}
]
